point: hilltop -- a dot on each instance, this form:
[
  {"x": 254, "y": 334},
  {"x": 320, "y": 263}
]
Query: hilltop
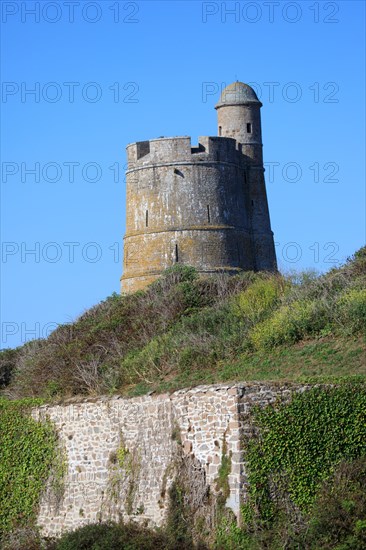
[{"x": 185, "y": 330}]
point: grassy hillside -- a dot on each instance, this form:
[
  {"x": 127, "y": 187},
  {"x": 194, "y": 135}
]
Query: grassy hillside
[
  {"x": 306, "y": 465},
  {"x": 184, "y": 330}
]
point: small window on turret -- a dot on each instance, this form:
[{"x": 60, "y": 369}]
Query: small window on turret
[
  {"x": 176, "y": 253},
  {"x": 147, "y": 218},
  {"x": 249, "y": 127},
  {"x": 220, "y": 130}
]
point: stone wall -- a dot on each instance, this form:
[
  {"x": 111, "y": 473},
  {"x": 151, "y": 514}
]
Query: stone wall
[
  {"x": 122, "y": 455},
  {"x": 188, "y": 205}
]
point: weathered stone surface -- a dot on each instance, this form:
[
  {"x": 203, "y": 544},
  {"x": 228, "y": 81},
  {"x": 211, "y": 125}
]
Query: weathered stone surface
[
  {"x": 204, "y": 206},
  {"x": 124, "y": 454}
]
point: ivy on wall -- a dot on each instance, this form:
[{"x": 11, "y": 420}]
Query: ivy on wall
[
  {"x": 28, "y": 450},
  {"x": 300, "y": 443}
]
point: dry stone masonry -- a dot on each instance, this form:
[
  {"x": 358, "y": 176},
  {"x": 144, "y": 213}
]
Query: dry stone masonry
[
  {"x": 122, "y": 455},
  {"x": 205, "y": 205}
]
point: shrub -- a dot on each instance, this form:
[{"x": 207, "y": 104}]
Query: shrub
[
  {"x": 230, "y": 537},
  {"x": 194, "y": 342},
  {"x": 180, "y": 273},
  {"x": 338, "y": 518},
  {"x": 351, "y": 308},
  {"x": 289, "y": 324},
  {"x": 115, "y": 536},
  {"x": 8, "y": 358},
  {"x": 357, "y": 263},
  {"x": 26, "y": 538},
  {"x": 258, "y": 299}
]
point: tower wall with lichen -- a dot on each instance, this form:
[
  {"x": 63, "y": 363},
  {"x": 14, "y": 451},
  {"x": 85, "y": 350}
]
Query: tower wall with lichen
[
  {"x": 188, "y": 205},
  {"x": 203, "y": 206}
]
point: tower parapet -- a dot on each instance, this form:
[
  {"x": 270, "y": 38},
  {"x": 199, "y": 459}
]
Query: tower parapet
[
  {"x": 201, "y": 205},
  {"x": 179, "y": 149}
]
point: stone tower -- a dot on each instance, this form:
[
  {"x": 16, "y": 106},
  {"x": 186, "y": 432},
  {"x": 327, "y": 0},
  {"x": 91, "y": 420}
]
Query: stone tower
[{"x": 204, "y": 206}]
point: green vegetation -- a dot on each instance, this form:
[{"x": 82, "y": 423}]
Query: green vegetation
[
  {"x": 184, "y": 330},
  {"x": 179, "y": 520},
  {"x": 298, "y": 447},
  {"x": 307, "y": 470},
  {"x": 222, "y": 483},
  {"x": 122, "y": 454},
  {"x": 307, "y": 461},
  {"x": 336, "y": 520},
  {"x": 115, "y": 536},
  {"x": 27, "y": 454},
  {"x": 300, "y": 442}
]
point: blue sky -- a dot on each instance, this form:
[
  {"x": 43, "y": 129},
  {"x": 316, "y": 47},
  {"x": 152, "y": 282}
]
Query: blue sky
[{"x": 105, "y": 74}]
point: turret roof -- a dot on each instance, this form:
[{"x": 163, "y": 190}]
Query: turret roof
[{"x": 237, "y": 93}]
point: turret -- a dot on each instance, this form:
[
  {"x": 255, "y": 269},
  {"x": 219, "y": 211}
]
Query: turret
[{"x": 238, "y": 113}]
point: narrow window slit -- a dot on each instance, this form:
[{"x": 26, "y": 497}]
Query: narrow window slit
[
  {"x": 208, "y": 214},
  {"x": 249, "y": 127},
  {"x": 147, "y": 218},
  {"x": 176, "y": 253},
  {"x": 220, "y": 130}
]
